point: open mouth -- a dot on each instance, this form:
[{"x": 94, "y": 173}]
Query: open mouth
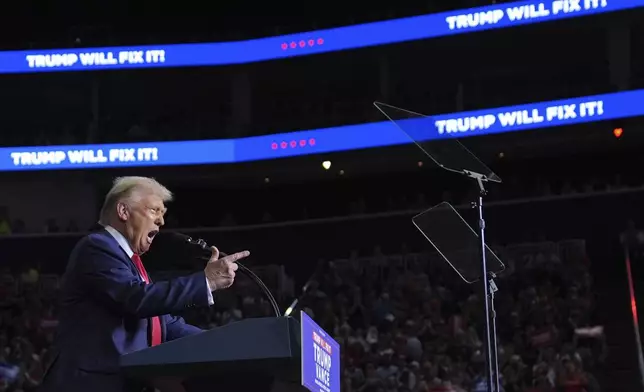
[{"x": 152, "y": 234}]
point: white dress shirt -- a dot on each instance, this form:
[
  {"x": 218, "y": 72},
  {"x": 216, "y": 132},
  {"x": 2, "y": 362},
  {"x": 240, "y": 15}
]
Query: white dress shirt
[{"x": 128, "y": 250}]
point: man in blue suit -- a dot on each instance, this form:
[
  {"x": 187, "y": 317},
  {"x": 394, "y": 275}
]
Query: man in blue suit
[{"x": 109, "y": 306}]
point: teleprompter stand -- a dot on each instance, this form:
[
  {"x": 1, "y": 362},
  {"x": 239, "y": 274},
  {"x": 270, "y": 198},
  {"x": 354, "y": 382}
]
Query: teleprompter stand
[{"x": 455, "y": 241}]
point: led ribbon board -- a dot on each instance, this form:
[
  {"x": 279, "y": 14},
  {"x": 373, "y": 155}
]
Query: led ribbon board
[
  {"x": 302, "y": 44},
  {"x": 351, "y": 137}
]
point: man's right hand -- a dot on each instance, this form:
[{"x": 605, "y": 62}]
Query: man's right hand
[{"x": 221, "y": 272}]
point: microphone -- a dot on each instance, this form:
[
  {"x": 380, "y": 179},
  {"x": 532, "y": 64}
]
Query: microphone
[
  {"x": 307, "y": 286},
  {"x": 206, "y": 252}
]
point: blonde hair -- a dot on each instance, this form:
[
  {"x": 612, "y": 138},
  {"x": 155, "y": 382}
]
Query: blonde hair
[{"x": 124, "y": 188}]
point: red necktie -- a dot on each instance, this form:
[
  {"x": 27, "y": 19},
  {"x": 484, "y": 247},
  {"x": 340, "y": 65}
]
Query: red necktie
[{"x": 156, "y": 323}]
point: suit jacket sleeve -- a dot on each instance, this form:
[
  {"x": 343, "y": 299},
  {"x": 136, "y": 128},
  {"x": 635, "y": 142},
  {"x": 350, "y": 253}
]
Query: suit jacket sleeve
[
  {"x": 108, "y": 276},
  {"x": 176, "y": 328}
]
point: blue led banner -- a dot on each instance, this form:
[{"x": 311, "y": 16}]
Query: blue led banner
[
  {"x": 345, "y": 138},
  {"x": 302, "y": 44}
]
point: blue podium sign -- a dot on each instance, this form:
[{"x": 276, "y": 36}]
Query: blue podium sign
[{"x": 320, "y": 358}]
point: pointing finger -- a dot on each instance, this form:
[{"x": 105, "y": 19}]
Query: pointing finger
[{"x": 237, "y": 256}]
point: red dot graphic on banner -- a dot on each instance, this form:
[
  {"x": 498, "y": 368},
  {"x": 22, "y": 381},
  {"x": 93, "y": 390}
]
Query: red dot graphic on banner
[
  {"x": 293, "y": 44},
  {"x": 311, "y": 42},
  {"x": 302, "y": 44},
  {"x": 284, "y": 46},
  {"x": 320, "y": 41},
  {"x": 302, "y": 143}
]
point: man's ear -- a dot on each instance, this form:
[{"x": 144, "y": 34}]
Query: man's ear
[{"x": 122, "y": 211}]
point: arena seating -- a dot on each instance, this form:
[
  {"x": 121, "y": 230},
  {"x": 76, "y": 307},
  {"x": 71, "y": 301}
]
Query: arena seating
[
  {"x": 405, "y": 321},
  {"x": 404, "y": 318}
]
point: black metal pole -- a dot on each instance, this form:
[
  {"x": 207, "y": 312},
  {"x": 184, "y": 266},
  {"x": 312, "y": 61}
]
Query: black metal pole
[
  {"x": 484, "y": 282},
  {"x": 495, "y": 349}
]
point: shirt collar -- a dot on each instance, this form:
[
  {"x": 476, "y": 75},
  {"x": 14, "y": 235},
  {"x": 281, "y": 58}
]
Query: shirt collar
[{"x": 120, "y": 239}]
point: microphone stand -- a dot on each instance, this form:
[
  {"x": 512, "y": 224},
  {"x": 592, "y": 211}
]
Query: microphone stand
[
  {"x": 305, "y": 289},
  {"x": 245, "y": 270},
  {"x": 262, "y": 287}
]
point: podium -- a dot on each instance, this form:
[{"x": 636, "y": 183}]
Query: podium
[{"x": 261, "y": 354}]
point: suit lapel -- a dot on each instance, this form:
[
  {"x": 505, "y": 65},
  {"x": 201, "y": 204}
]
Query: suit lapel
[
  {"x": 123, "y": 253},
  {"x": 136, "y": 273}
]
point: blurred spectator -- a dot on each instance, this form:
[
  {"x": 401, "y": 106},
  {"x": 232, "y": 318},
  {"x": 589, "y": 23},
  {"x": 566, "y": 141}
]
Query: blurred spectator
[
  {"x": 51, "y": 226},
  {"x": 5, "y": 225},
  {"x": 72, "y": 227}
]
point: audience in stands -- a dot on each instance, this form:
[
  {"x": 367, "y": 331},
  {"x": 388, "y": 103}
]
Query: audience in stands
[{"x": 406, "y": 322}]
